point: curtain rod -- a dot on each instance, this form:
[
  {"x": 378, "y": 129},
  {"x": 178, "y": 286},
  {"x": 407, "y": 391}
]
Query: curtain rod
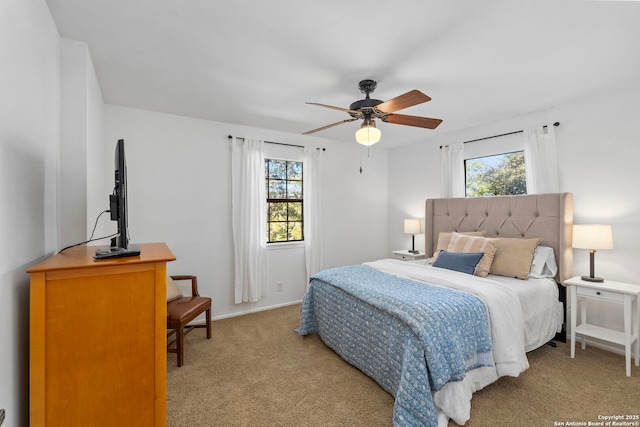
[
  {"x": 280, "y": 143},
  {"x": 502, "y": 134}
]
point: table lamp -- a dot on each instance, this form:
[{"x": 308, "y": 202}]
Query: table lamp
[
  {"x": 412, "y": 226},
  {"x": 592, "y": 237}
]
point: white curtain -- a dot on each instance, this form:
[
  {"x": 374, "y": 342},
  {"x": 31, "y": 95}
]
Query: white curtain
[
  {"x": 248, "y": 211},
  {"x": 452, "y": 170},
  {"x": 540, "y": 159},
  {"x": 312, "y": 211}
]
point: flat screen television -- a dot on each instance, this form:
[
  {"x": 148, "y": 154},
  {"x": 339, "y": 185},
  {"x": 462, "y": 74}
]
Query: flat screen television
[{"x": 120, "y": 246}]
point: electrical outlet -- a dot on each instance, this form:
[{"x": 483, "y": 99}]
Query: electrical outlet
[
  {"x": 279, "y": 287},
  {"x": 1, "y": 416}
]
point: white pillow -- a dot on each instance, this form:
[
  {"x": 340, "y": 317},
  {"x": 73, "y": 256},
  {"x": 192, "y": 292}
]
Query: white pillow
[{"x": 544, "y": 263}]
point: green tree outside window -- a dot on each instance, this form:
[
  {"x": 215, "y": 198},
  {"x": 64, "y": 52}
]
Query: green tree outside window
[
  {"x": 284, "y": 185},
  {"x": 499, "y": 175}
]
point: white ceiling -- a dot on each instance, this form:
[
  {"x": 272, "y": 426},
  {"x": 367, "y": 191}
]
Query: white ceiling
[{"x": 255, "y": 63}]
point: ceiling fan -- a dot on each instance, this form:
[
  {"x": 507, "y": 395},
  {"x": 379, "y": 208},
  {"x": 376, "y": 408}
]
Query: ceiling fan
[{"x": 370, "y": 109}]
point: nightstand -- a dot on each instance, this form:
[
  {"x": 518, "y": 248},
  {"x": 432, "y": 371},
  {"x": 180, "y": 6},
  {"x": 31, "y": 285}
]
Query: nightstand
[
  {"x": 405, "y": 255},
  {"x": 626, "y": 294}
]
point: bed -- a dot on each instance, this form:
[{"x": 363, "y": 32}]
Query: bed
[{"x": 430, "y": 334}]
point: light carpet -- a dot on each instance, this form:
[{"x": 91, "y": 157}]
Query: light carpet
[{"x": 256, "y": 371}]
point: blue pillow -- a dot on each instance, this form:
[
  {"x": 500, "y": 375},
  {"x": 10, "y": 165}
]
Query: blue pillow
[{"x": 458, "y": 261}]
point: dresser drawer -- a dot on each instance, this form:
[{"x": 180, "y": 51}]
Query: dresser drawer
[{"x": 599, "y": 293}]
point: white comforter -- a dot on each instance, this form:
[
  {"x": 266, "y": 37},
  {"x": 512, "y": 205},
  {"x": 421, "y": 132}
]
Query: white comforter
[{"x": 507, "y": 332}]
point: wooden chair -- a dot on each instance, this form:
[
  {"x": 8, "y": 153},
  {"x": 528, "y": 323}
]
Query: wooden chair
[{"x": 181, "y": 311}]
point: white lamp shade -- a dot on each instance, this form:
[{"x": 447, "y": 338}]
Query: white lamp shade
[
  {"x": 592, "y": 236},
  {"x": 368, "y": 135},
  {"x": 412, "y": 226}
]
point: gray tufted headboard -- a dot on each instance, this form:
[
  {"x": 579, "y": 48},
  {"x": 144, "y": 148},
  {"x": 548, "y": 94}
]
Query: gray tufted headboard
[{"x": 549, "y": 216}]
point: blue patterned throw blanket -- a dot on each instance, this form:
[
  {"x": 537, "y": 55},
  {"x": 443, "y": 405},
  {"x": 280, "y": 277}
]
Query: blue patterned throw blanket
[{"x": 410, "y": 337}]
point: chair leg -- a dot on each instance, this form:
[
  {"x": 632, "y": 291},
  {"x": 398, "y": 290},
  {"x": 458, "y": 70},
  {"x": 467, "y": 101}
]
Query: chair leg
[
  {"x": 208, "y": 314},
  {"x": 180, "y": 345}
]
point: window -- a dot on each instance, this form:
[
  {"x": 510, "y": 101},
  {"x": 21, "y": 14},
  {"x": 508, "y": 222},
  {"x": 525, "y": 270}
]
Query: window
[
  {"x": 284, "y": 201},
  {"x": 496, "y": 175}
]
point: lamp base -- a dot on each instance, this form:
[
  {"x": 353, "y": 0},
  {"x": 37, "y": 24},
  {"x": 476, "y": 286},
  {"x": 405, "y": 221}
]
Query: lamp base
[
  {"x": 592, "y": 279},
  {"x": 413, "y": 245}
]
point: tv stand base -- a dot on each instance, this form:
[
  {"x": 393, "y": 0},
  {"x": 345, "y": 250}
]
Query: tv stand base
[{"x": 115, "y": 252}]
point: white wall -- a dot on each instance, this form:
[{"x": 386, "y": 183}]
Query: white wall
[
  {"x": 29, "y": 138},
  {"x": 179, "y": 193},
  {"x": 598, "y": 152},
  {"x": 81, "y": 111},
  {"x": 600, "y": 167}
]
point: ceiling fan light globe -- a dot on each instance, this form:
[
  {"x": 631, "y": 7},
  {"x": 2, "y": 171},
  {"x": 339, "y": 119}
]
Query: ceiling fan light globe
[{"x": 368, "y": 135}]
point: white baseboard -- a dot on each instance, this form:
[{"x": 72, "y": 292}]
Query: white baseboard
[
  {"x": 256, "y": 310},
  {"x": 242, "y": 313}
]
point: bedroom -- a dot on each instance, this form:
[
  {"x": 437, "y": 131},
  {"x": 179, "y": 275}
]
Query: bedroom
[{"x": 597, "y": 148}]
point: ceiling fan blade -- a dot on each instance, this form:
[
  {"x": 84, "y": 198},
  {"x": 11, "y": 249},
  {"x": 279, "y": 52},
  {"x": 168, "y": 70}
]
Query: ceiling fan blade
[
  {"x": 421, "y": 122},
  {"x": 409, "y": 99},
  {"x": 332, "y": 107},
  {"x": 329, "y": 126}
]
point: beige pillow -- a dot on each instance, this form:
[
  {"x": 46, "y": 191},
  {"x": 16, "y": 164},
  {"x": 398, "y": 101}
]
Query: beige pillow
[
  {"x": 173, "y": 291},
  {"x": 475, "y": 244},
  {"x": 445, "y": 237},
  {"x": 513, "y": 257}
]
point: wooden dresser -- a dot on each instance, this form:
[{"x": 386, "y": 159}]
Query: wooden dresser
[{"x": 98, "y": 339}]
